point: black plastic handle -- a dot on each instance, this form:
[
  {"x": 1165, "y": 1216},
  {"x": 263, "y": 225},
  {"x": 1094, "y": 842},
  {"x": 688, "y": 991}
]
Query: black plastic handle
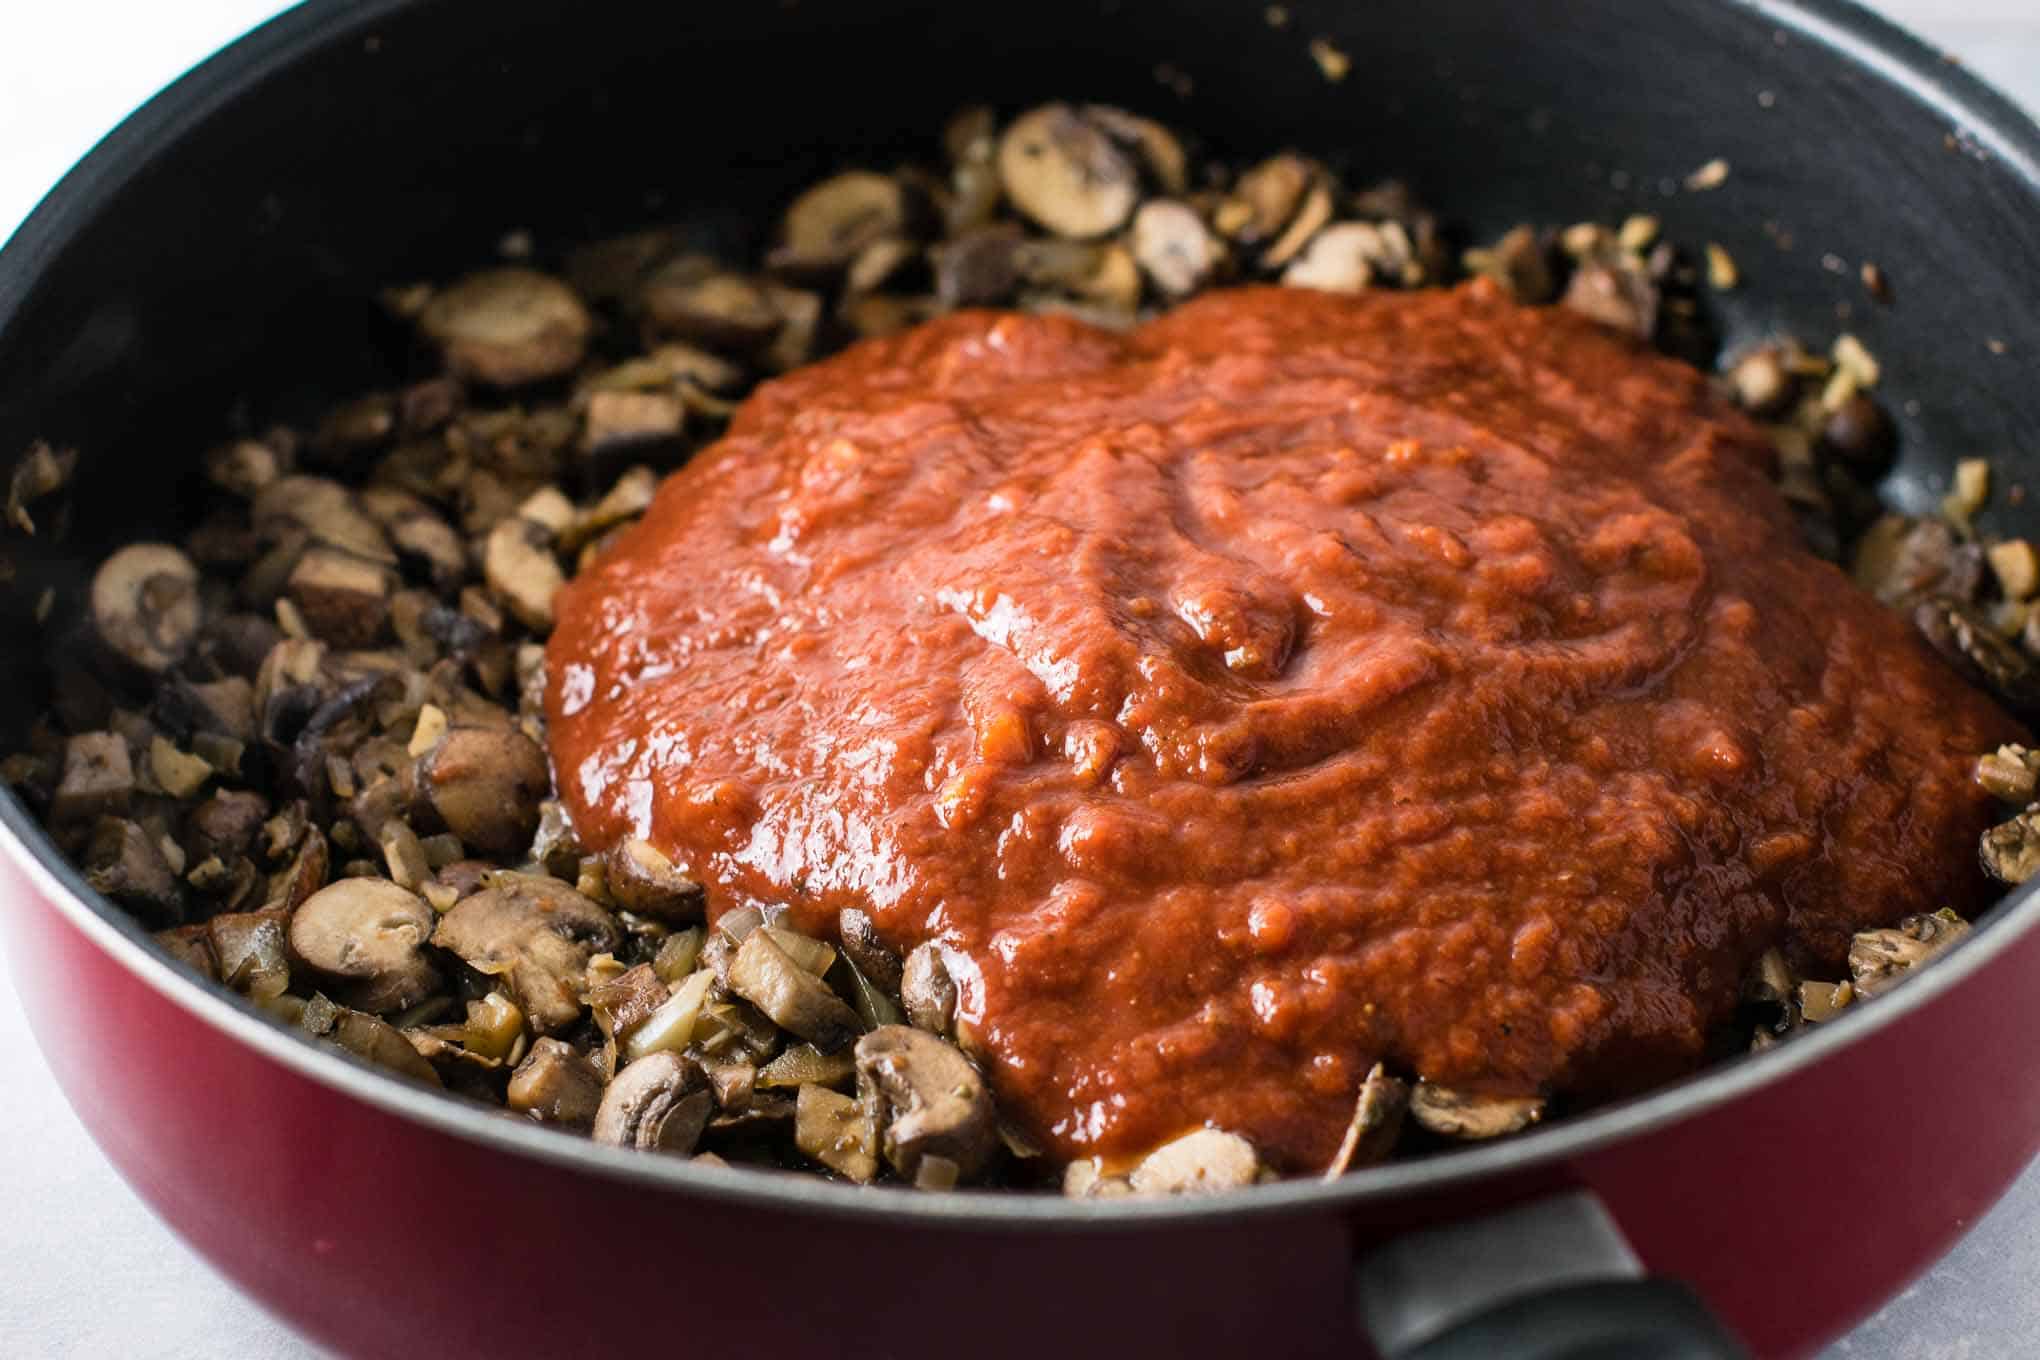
[
  {"x": 1647, "y": 1319},
  {"x": 1552, "y": 1279}
]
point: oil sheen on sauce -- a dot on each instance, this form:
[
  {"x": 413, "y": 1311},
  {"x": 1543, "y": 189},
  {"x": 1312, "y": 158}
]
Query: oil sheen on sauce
[{"x": 1293, "y": 682}]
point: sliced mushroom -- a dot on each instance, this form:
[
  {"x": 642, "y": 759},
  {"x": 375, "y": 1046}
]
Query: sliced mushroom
[
  {"x": 2010, "y": 851},
  {"x": 145, "y": 605},
  {"x": 979, "y": 267},
  {"x": 252, "y": 948},
  {"x": 1174, "y": 247},
  {"x": 1065, "y": 173},
  {"x": 628, "y": 1000},
  {"x": 1820, "y": 1002},
  {"x": 538, "y": 934},
  {"x": 1311, "y": 217},
  {"x": 1965, "y": 639},
  {"x": 720, "y": 310},
  {"x": 1880, "y": 959},
  {"x": 1762, "y": 382},
  {"x": 830, "y": 223},
  {"x": 126, "y": 864},
  {"x": 191, "y": 946},
  {"x": 1614, "y": 289},
  {"x": 1339, "y": 259},
  {"x": 345, "y": 599},
  {"x": 1159, "y": 151},
  {"x": 931, "y": 1101},
  {"x": 927, "y": 992},
  {"x": 364, "y": 940},
  {"x": 1377, "y": 1123},
  {"x": 98, "y": 779},
  {"x": 485, "y": 785},
  {"x": 643, "y": 880},
  {"x": 1267, "y": 197},
  {"x": 803, "y": 1065},
  {"x": 837, "y": 1131},
  {"x": 1086, "y": 1179},
  {"x": 1203, "y": 1162},
  {"x": 556, "y": 1084},
  {"x": 2010, "y": 774},
  {"x": 793, "y": 998},
  {"x": 507, "y": 327},
  {"x": 324, "y": 511},
  {"x": 1468, "y": 1116},
  {"x": 1520, "y": 262},
  {"x": 519, "y": 565},
  {"x": 659, "y": 1103},
  {"x": 866, "y": 952}
]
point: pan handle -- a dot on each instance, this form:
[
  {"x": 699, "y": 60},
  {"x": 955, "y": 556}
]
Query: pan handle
[{"x": 1553, "y": 1279}]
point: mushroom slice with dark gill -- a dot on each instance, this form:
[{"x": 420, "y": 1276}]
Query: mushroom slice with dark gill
[
  {"x": 931, "y": 1101},
  {"x": 659, "y": 1103},
  {"x": 1201, "y": 1162},
  {"x": 1377, "y": 1123},
  {"x": 866, "y": 951},
  {"x": 486, "y": 784},
  {"x": 927, "y": 992},
  {"x": 506, "y": 327},
  {"x": 1881, "y": 959},
  {"x": 556, "y": 1084},
  {"x": 364, "y": 940},
  {"x": 145, "y": 605},
  {"x": 537, "y": 933},
  {"x": 1063, "y": 171},
  {"x": 641, "y": 879},
  {"x": 1458, "y": 1114},
  {"x": 793, "y": 998}
]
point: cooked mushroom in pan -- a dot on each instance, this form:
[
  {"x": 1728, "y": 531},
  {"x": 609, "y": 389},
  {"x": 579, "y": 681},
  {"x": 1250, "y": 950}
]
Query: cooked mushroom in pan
[{"x": 308, "y": 742}]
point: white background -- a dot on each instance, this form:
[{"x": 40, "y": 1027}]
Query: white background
[{"x": 86, "y": 1271}]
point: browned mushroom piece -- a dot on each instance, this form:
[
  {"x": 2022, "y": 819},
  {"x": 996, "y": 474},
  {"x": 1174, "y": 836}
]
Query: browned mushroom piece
[
  {"x": 829, "y": 224},
  {"x": 418, "y": 533},
  {"x": 979, "y": 267},
  {"x": 556, "y": 1084},
  {"x": 252, "y": 949},
  {"x": 1086, "y": 1179},
  {"x": 1615, "y": 289},
  {"x": 41, "y": 471},
  {"x": 866, "y": 952},
  {"x": 1268, "y": 196},
  {"x": 507, "y": 327},
  {"x": 1174, "y": 248},
  {"x": 1377, "y": 1123},
  {"x": 1520, "y": 261},
  {"x": 720, "y": 310},
  {"x": 145, "y": 605},
  {"x": 485, "y": 784},
  {"x": 1311, "y": 217},
  {"x": 927, "y": 992},
  {"x": 1471, "y": 1117},
  {"x": 878, "y": 262},
  {"x": 2010, "y": 774},
  {"x": 838, "y": 1131},
  {"x": 126, "y": 864},
  {"x": 1203, "y": 1162},
  {"x": 191, "y": 946},
  {"x": 536, "y": 933},
  {"x": 1963, "y": 635},
  {"x": 1339, "y": 259},
  {"x": 1160, "y": 153},
  {"x": 660, "y": 1103},
  {"x": 1062, "y": 170},
  {"x": 324, "y": 511},
  {"x": 1881, "y": 959},
  {"x": 518, "y": 563},
  {"x": 930, "y": 1099},
  {"x": 627, "y": 1000},
  {"x": 98, "y": 779},
  {"x": 804, "y": 1064},
  {"x": 364, "y": 940},
  {"x": 242, "y": 467},
  {"x": 345, "y": 600},
  {"x": 643, "y": 880},
  {"x": 793, "y": 998},
  {"x": 379, "y": 1042}
]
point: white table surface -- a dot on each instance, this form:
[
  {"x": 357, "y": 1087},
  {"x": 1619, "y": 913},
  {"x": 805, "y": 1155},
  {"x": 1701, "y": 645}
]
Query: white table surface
[{"x": 87, "y": 1271}]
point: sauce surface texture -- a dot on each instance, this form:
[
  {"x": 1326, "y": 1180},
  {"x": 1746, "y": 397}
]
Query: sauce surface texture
[{"x": 1294, "y": 682}]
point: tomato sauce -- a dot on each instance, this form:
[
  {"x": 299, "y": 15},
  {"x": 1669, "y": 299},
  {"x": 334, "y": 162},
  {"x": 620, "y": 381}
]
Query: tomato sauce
[{"x": 1294, "y": 682}]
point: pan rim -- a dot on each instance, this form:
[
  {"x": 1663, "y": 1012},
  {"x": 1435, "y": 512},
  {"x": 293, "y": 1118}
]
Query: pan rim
[{"x": 1997, "y": 127}]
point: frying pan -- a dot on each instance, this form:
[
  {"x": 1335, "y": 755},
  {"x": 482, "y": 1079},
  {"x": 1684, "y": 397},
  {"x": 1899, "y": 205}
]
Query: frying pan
[{"x": 213, "y": 261}]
